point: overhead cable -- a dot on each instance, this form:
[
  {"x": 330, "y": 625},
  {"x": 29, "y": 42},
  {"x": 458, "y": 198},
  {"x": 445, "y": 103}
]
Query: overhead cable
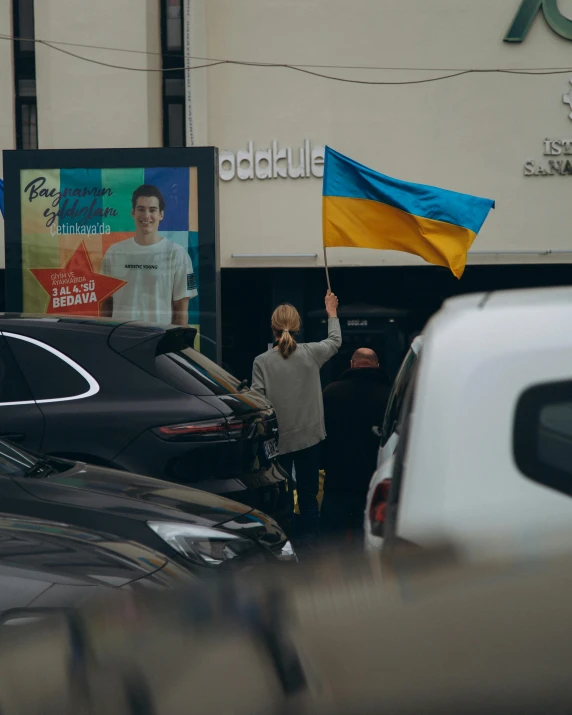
[{"x": 302, "y": 68}]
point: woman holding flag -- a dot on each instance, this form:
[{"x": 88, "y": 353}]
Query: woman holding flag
[{"x": 289, "y": 376}]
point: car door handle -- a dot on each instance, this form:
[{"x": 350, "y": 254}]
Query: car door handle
[{"x": 17, "y": 437}]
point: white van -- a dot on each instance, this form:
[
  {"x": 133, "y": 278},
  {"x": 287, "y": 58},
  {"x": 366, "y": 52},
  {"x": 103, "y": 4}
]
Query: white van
[{"x": 485, "y": 451}]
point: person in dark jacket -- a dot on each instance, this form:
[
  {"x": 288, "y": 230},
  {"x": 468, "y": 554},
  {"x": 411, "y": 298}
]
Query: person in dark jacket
[{"x": 352, "y": 406}]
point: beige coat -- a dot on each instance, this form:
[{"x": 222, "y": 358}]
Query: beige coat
[{"x": 293, "y": 386}]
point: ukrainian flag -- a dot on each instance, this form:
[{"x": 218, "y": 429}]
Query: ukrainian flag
[{"x": 364, "y": 209}]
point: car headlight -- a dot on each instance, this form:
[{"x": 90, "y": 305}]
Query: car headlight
[
  {"x": 286, "y": 552},
  {"x": 203, "y": 545}
]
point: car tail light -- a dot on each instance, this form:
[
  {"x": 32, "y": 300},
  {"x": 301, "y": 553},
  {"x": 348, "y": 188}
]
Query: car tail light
[
  {"x": 209, "y": 430},
  {"x": 236, "y": 428},
  {"x": 378, "y": 507}
]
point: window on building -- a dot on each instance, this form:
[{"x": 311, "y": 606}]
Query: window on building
[
  {"x": 174, "y": 26},
  {"x": 174, "y": 77},
  {"x": 25, "y": 75},
  {"x": 543, "y": 435}
]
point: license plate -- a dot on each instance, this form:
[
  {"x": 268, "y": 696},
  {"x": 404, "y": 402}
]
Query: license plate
[{"x": 271, "y": 449}]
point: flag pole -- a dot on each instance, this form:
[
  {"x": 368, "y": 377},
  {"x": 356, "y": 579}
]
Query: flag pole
[
  {"x": 324, "y": 222},
  {"x": 327, "y": 271}
]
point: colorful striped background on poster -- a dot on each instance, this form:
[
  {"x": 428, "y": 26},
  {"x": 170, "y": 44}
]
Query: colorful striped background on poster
[{"x": 87, "y": 250}]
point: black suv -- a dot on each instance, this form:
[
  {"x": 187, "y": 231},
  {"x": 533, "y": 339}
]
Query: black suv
[{"x": 138, "y": 397}]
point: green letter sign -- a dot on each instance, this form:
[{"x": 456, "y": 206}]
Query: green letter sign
[{"x": 528, "y": 11}]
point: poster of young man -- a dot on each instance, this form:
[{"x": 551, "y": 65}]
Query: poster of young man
[
  {"x": 123, "y": 242},
  {"x": 158, "y": 272}
]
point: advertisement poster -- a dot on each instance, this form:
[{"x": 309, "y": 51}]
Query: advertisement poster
[{"x": 122, "y": 243}]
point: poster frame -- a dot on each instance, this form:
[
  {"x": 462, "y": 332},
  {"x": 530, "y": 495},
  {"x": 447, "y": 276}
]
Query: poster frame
[{"x": 205, "y": 159}]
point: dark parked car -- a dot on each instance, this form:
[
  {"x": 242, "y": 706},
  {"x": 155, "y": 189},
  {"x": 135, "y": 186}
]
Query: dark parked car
[
  {"x": 46, "y": 565},
  {"x": 199, "y": 531},
  {"x": 138, "y": 397}
]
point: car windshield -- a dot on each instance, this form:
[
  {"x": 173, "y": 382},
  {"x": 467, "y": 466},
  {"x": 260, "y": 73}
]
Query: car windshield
[{"x": 14, "y": 462}]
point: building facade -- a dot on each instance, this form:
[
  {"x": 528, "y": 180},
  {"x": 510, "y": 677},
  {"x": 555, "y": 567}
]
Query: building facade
[{"x": 428, "y": 91}]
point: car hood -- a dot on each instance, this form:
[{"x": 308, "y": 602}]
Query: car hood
[
  {"x": 133, "y": 495},
  {"x": 37, "y": 556}
]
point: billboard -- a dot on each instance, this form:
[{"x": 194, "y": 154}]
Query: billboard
[{"x": 128, "y": 235}]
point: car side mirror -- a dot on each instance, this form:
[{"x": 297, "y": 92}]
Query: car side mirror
[{"x": 377, "y": 431}]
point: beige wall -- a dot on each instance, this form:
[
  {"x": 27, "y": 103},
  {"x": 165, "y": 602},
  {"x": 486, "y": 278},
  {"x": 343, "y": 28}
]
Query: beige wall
[
  {"x": 471, "y": 134},
  {"x": 7, "y": 139},
  {"x": 84, "y": 105}
]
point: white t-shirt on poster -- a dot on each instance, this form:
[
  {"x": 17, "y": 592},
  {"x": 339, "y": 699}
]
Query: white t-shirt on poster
[{"x": 156, "y": 275}]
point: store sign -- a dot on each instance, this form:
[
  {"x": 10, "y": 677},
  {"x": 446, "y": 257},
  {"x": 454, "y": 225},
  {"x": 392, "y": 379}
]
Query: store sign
[
  {"x": 272, "y": 163},
  {"x": 528, "y": 11},
  {"x": 559, "y": 149},
  {"x": 560, "y": 163}
]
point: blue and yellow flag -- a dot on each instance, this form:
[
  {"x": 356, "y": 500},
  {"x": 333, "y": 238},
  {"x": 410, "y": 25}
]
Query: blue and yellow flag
[{"x": 364, "y": 209}]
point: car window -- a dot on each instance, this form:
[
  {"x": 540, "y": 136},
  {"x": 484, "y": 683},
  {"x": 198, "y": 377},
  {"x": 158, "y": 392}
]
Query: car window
[
  {"x": 543, "y": 435},
  {"x": 14, "y": 462},
  {"x": 397, "y": 478},
  {"x": 192, "y": 372},
  {"x": 399, "y": 463},
  {"x": 397, "y": 394},
  {"x": 555, "y": 435},
  {"x": 13, "y": 387},
  {"x": 51, "y": 375}
]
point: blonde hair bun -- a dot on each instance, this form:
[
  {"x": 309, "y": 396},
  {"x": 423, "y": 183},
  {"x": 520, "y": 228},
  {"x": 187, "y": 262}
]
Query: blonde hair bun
[{"x": 285, "y": 322}]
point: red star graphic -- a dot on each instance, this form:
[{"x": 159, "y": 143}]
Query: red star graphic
[{"x": 76, "y": 289}]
